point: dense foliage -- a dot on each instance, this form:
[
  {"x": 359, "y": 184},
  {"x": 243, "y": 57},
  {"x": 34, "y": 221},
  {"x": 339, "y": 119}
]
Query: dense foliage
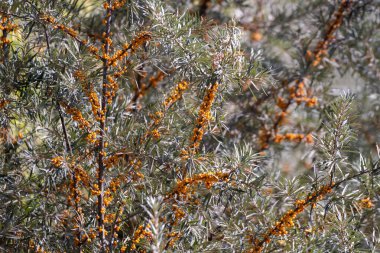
[{"x": 189, "y": 126}]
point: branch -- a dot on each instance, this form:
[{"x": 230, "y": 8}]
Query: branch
[{"x": 100, "y": 153}]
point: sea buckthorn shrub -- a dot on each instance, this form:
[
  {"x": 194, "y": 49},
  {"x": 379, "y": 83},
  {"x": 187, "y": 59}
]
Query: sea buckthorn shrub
[{"x": 189, "y": 126}]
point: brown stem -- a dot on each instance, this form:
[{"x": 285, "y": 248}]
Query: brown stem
[
  {"x": 67, "y": 142},
  {"x": 375, "y": 170},
  {"x": 5, "y": 45},
  {"x": 100, "y": 152},
  {"x": 111, "y": 240},
  {"x": 74, "y": 173}
]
